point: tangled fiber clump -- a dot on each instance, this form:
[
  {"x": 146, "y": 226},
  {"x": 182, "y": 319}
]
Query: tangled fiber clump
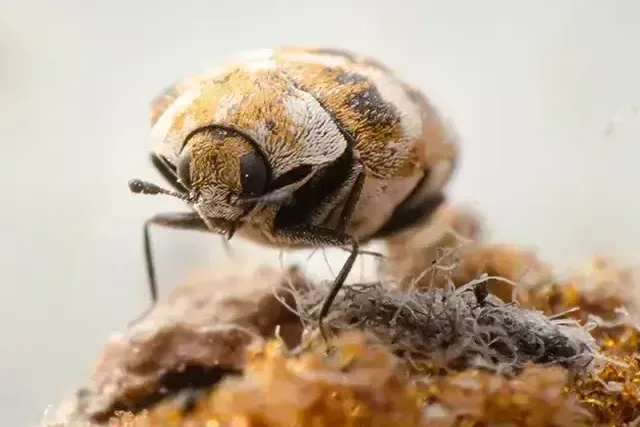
[{"x": 458, "y": 327}]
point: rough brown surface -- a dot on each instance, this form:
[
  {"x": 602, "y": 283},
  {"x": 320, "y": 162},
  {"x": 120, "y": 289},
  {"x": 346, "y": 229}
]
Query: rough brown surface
[
  {"x": 532, "y": 363},
  {"x": 201, "y": 330},
  {"x": 361, "y": 382}
]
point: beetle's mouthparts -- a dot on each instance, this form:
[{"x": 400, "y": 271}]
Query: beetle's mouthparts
[{"x": 232, "y": 231}]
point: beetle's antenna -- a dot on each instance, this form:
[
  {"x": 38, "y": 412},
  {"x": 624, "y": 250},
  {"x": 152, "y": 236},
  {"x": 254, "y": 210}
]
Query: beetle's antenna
[{"x": 144, "y": 187}]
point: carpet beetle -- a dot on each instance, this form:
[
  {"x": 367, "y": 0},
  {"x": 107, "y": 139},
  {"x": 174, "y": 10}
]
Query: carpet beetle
[{"x": 299, "y": 147}]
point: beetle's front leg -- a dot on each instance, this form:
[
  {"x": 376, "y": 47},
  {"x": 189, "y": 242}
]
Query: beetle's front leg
[
  {"x": 176, "y": 220},
  {"x": 319, "y": 236}
]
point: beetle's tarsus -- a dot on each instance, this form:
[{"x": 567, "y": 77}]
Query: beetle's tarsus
[
  {"x": 136, "y": 320},
  {"x": 335, "y": 288}
]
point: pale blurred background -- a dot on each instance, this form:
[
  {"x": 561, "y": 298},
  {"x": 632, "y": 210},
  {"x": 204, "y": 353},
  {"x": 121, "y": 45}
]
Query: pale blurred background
[{"x": 530, "y": 85}]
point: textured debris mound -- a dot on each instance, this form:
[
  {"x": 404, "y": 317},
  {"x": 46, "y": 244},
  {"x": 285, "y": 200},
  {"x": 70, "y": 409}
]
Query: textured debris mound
[
  {"x": 358, "y": 383},
  {"x": 612, "y": 393},
  {"x": 362, "y": 383},
  {"x": 456, "y": 327},
  {"x": 534, "y": 398},
  {"x": 452, "y": 355},
  {"x": 604, "y": 294}
]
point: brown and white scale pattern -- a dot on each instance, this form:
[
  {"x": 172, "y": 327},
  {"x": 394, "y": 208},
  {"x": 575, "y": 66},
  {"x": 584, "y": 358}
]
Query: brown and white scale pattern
[{"x": 303, "y": 105}]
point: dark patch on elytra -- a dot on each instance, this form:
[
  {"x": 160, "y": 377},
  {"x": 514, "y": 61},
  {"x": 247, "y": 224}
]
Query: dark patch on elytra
[
  {"x": 270, "y": 125},
  {"x": 349, "y": 77},
  {"x": 221, "y": 80},
  {"x": 369, "y": 103},
  {"x": 346, "y": 133},
  {"x": 416, "y": 207}
]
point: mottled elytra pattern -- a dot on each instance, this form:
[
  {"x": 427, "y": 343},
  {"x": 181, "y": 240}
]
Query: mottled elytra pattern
[
  {"x": 359, "y": 109},
  {"x": 166, "y": 98},
  {"x": 273, "y": 95},
  {"x": 434, "y": 144}
]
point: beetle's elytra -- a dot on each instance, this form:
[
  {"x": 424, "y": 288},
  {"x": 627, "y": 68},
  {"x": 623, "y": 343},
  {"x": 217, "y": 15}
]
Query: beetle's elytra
[{"x": 299, "y": 147}]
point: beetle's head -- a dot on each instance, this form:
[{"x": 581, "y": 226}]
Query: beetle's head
[
  {"x": 225, "y": 174},
  {"x": 224, "y": 171}
]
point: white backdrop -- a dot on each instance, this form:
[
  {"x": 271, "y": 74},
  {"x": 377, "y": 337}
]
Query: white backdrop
[{"x": 530, "y": 85}]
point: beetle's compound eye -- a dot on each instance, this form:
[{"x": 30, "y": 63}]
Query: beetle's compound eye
[
  {"x": 253, "y": 174},
  {"x": 184, "y": 168}
]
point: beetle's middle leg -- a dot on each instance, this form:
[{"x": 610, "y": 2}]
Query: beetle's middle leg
[{"x": 320, "y": 236}]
